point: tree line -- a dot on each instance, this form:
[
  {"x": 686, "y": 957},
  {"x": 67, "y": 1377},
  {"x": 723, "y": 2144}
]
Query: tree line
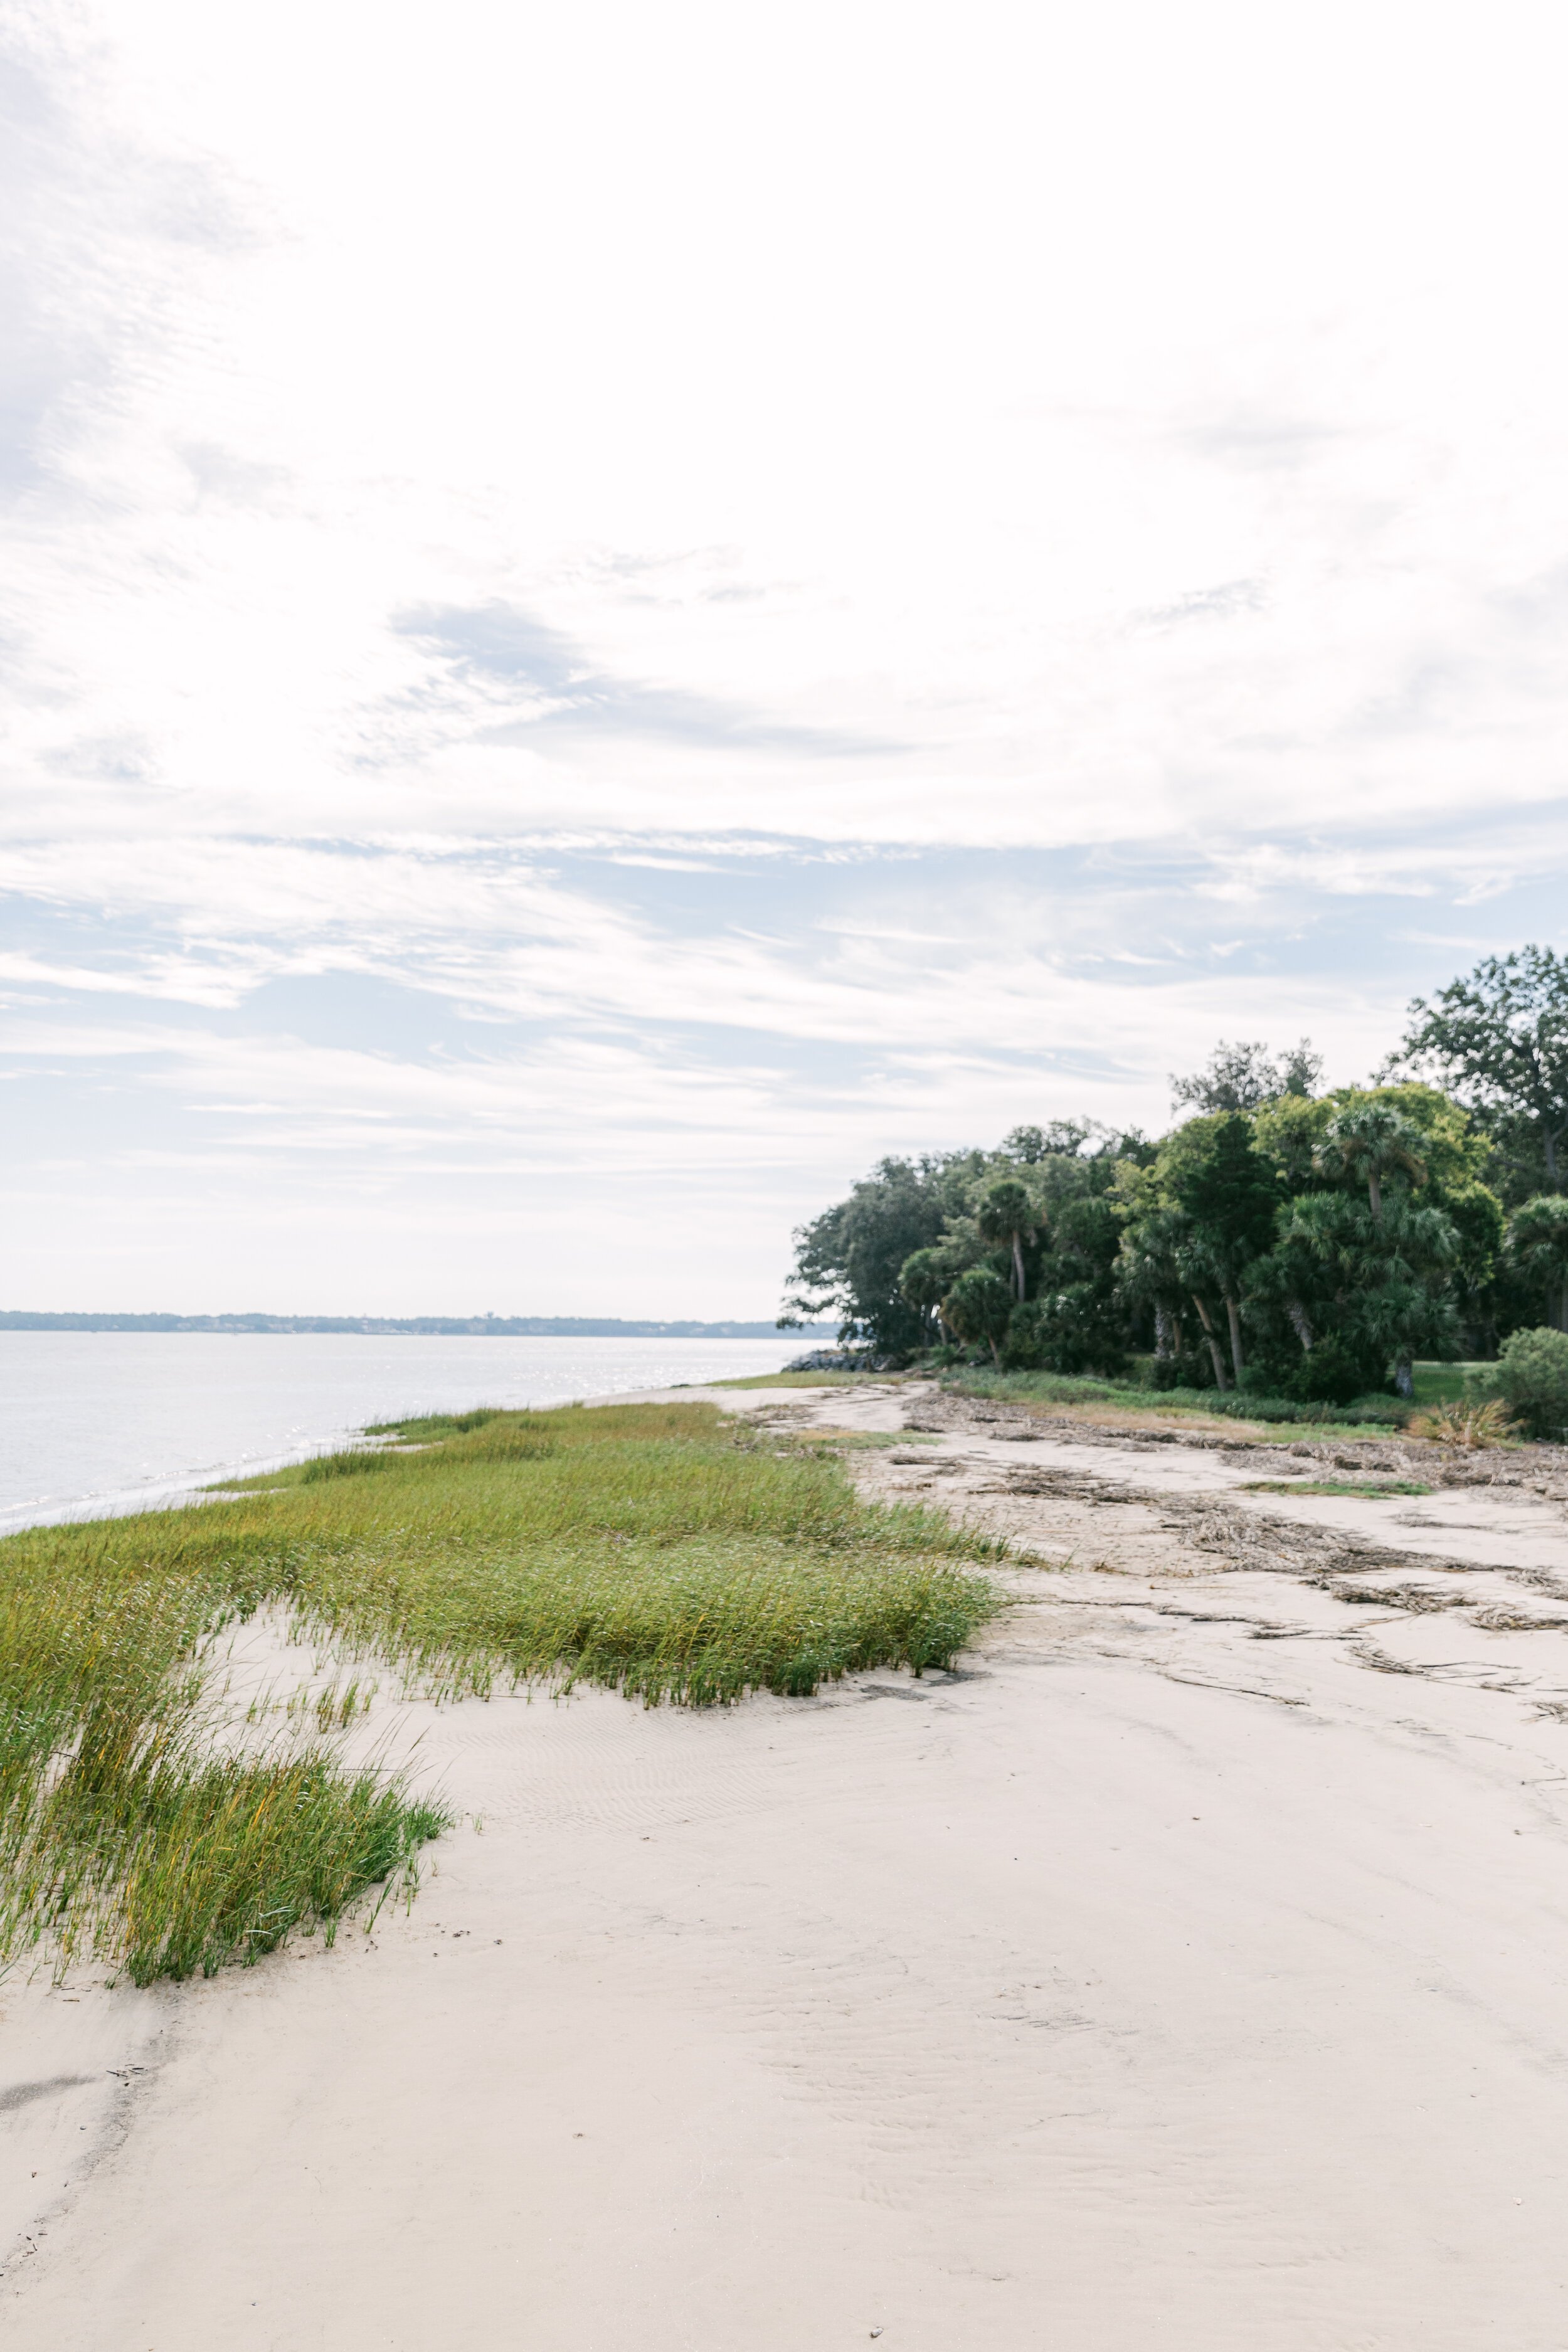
[{"x": 1308, "y": 1242}]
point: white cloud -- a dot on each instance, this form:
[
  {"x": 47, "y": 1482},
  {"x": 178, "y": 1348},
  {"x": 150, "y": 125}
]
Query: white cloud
[{"x": 467, "y": 474}]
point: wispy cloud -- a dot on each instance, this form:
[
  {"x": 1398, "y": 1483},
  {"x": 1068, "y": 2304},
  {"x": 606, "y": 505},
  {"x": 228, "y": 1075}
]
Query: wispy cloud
[
  {"x": 558, "y": 695},
  {"x": 588, "y": 688}
]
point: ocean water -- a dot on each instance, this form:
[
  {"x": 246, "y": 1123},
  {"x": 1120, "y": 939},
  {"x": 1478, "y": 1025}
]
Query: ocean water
[{"x": 92, "y": 1421}]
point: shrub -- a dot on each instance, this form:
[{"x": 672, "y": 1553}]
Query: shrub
[
  {"x": 1190, "y": 1368},
  {"x": 1530, "y": 1376},
  {"x": 1466, "y": 1425},
  {"x": 979, "y": 1308},
  {"x": 1068, "y": 1331},
  {"x": 1334, "y": 1373}
]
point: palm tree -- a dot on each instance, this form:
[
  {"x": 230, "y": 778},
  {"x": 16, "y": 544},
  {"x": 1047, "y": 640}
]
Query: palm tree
[
  {"x": 1371, "y": 1140},
  {"x": 1148, "y": 1267},
  {"x": 924, "y": 1279},
  {"x": 979, "y": 1306},
  {"x": 1538, "y": 1244},
  {"x": 1386, "y": 1263},
  {"x": 1007, "y": 1214}
]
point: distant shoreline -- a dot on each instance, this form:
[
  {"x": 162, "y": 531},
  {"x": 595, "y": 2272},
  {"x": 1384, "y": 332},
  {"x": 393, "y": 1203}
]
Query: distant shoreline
[{"x": 381, "y": 1327}]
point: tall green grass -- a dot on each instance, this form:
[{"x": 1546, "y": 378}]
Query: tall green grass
[{"x": 652, "y": 1549}]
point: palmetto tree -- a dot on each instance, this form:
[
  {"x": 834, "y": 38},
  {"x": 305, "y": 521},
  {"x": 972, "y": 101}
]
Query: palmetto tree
[
  {"x": 1538, "y": 1245},
  {"x": 924, "y": 1279},
  {"x": 1373, "y": 1140},
  {"x": 1149, "y": 1267},
  {"x": 1230, "y": 1195},
  {"x": 979, "y": 1306},
  {"x": 1009, "y": 1215},
  {"x": 1387, "y": 1262}
]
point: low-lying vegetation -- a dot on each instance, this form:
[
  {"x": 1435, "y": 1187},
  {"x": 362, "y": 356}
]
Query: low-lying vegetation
[
  {"x": 652, "y": 1549},
  {"x": 1369, "y": 1416},
  {"x": 1473, "y": 1426},
  {"x": 1369, "y": 1490}
]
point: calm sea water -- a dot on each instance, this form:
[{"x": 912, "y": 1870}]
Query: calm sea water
[{"x": 115, "y": 1420}]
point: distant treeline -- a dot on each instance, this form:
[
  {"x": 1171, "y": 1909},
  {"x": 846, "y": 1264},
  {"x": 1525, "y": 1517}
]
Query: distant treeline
[{"x": 484, "y": 1327}]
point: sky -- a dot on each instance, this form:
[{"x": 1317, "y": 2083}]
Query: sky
[{"x": 607, "y": 614}]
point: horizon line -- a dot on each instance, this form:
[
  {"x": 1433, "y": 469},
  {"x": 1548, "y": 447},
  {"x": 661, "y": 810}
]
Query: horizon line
[{"x": 372, "y": 1326}]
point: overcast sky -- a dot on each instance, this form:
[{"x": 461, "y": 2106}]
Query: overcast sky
[{"x": 611, "y": 611}]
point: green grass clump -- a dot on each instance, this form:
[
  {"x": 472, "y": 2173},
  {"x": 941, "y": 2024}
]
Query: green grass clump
[
  {"x": 427, "y": 1426},
  {"x": 652, "y": 1549},
  {"x": 825, "y": 1380},
  {"x": 1366, "y": 1489},
  {"x": 350, "y": 1464}
]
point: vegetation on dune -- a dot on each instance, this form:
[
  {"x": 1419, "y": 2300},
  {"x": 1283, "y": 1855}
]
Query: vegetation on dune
[
  {"x": 1292, "y": 1247},
  {"x": 653, "y": 1550}
]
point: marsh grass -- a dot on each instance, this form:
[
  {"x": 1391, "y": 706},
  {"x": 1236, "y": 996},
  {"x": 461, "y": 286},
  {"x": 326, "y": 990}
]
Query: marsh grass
[{"x": 650, "y": 1550}]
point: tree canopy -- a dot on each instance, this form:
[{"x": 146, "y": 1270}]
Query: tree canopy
[
  {"x": 1499, "y": 1042},
  {"x": 1305, "y": 1242}
]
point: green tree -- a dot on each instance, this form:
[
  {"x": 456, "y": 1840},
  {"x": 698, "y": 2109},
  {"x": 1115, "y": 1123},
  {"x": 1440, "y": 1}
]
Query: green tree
[
  {"x": 1376, "y": 1138},
  {"x": 850, "y": 1257},
  {"x": 1388, "y": 1270},
  {"x": 924, "y": 1279},
  {"x": 979, "y": 1308},
  {"x": 1242, "y": 1078},
  {"x": 1076, "y": 1321},
  {"x": 1230, "y": 1193},
  {"x": 1149, "y": 1261},
  {"x": 1371, "y": 1140},
  {"x": 1500, "y": 1040},
  {"x": 1007, "y": 1214},
  {"x": 1538, "y": 1247}
]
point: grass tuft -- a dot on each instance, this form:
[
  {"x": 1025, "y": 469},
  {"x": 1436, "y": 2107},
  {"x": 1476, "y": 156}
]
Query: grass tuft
[{"x": 1468, "y": 1426}]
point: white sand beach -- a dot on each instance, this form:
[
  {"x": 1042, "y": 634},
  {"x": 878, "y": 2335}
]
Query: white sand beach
[{"x": 1187, "y": 1972}]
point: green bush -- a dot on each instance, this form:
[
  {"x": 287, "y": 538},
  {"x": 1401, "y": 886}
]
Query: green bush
[
  {"x": 1530, "y": 1376},
  {"x": 1334, "y": 1373}
]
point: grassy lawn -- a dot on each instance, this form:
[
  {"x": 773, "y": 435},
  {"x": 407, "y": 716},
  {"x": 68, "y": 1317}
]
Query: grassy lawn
[
  {"x": 1439, "y": 1383},
  {"x": 659, "y": 1550}
]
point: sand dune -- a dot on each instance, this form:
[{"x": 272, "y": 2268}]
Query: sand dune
[{"x": 1190, "y": 1970}]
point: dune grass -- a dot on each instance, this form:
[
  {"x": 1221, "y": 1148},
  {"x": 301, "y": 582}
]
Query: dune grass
[{"x": 658, "y": 1550}]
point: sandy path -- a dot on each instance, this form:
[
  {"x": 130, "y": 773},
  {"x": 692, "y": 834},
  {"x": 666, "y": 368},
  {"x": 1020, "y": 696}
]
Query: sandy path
[{"x": 1189, "y": 1971}]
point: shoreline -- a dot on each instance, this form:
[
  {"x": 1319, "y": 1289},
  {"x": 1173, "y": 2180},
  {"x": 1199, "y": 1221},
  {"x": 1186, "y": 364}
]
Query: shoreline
[
  {"x": 234, "y": 1441},
  {"x": 1181, "y": 1971}
]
